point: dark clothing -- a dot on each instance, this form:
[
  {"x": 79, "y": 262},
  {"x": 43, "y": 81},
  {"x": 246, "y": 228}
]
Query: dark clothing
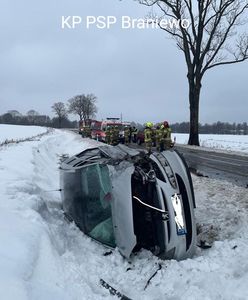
[{"x": 134, "y": 134}]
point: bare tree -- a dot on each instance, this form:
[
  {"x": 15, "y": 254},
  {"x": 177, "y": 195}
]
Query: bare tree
[
  {"x": 83, "y": 105},
  {"x": 32, "y": 115},
  {"x": 213, "y": 38},
  {"x": 60, "y": 111},
  {"x": 14, "y": 113}
]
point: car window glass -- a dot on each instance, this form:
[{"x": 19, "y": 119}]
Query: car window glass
[{"x": 96, "y": 191}]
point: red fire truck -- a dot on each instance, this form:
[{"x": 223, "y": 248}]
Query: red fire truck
[
  {"x": 98, "y": 128},
  {"x": 84, "y": 128}
]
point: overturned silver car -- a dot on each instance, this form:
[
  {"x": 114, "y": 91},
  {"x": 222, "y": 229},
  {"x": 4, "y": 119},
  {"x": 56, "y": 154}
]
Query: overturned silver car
[{"x": 129, "y": 199}]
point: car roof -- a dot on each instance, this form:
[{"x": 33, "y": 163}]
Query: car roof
[{"x": 102, "y": 154}]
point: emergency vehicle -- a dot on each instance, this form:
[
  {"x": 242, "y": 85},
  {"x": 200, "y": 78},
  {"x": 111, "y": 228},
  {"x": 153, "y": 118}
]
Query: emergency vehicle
[{"x": 98, "y": 128}]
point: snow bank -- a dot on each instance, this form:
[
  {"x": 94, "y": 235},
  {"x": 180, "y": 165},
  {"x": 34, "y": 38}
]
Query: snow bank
[
  {"x": 17, "y": 132},
  {"x": 237, "y": 143},
  {"x": 42, "y": 256},
  {"x": 30, "y": 266}
]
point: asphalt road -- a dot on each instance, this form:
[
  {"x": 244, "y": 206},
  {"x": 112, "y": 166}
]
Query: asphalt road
[
  {"x": 217, "y": 165},
  {"x": 230, "y": 167}
]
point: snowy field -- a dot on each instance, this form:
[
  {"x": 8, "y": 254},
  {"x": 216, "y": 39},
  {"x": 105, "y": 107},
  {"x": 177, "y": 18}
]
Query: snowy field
[
  {"x": 237, "y": 143},
  {"x": 17, "y": 132},
  {"x": 42, "y": 257}
]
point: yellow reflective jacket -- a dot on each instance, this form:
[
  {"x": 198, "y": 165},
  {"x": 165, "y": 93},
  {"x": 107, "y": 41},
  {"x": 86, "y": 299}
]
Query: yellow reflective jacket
[{"x": 148, "y": 135}]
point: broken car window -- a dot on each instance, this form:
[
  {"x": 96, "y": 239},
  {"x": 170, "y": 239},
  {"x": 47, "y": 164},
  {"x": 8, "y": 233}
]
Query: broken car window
[{"x": 96, "y": 192}]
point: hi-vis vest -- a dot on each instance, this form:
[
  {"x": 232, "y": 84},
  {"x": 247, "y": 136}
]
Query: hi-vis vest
[
  {"x": 148, "y": 135},
  {"x": 165, "y": 134},
  {"x": 168, "y": 134}
]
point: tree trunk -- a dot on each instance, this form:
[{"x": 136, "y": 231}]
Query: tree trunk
[
  {"x": 60, "y": 121},
  {"x": 194, "y": 97}
]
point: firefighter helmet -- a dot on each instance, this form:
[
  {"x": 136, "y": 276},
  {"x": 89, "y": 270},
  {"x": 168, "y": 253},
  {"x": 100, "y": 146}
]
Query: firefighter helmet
[
  {"x": 149, "y": 124},
  {"x": 166, "y": 124}
]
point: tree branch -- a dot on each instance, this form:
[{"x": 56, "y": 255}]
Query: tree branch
[
  {"x": 223, "y": 40},
  {"x": 227, "y": 62}
]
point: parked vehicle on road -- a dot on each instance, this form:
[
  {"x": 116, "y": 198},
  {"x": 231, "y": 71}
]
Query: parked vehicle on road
[
  {"x": 97, "y": 132},
  {"x": 98, "y": 129},
  {"x": 84, "y": 128},
  {"x": 125, "y": 198},
  {"x": 140, "y": 137}
]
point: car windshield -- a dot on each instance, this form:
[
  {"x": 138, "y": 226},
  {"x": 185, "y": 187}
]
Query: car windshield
[{"x": 96, "y": 190}]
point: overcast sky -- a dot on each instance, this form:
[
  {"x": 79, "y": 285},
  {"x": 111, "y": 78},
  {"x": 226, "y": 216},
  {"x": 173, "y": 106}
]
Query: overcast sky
[{"x": 139, "y": 73}]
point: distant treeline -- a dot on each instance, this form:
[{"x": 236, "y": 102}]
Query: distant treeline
[
  {"x": 32, "y": 118},
  {"x": 215, "y": 128},
  {"x": 38, "y": 120}
]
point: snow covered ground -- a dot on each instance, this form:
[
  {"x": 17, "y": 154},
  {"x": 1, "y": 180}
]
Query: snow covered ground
[
  {"x": 16, "y": 132},
  {"x": 42, "y": 256},
  {"x": 238, "y": 143}
]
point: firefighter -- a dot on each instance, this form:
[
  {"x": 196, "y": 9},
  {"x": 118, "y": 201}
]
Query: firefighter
[
  {"x": 158, "y": 137},
  {"x": 87, "y": 131},
  {"x": 134, "y": 134},
  {"x": 112, "y": 135},
  {"x": 148, "y": 136},
  {"x": 130, "y": 134},
  {"x": 107, "y": 139},
  {"x": 168, "y": 141},
  {"x": 126, "y": 135},
  {"x": 162, "y": 138},
  {"x": 165, "y": 141},
  {"x": 116, "y": 135}
]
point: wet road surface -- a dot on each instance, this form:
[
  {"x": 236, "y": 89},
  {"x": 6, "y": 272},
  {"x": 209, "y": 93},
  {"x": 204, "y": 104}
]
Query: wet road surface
[{"x": 227, "y": 166}]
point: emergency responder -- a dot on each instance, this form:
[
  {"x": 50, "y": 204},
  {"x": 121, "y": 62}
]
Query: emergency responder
[
  {"x": 165, "y": 141},
  {"x": 112, "y": 135},
  {"x": 134, "y": 134},
  {"x": 162, "y": 138},
  {"x": 116, "y": 135},
  {"x": 168, "y": 141},
  {"x": 158, "y": 137},
  {"x": 107, "y": 139},
  {"x": 87, "y": 131},
  {"x": 148, "y": 136},
  {"x": 126, "y": 135},
  {"x": 130, "y": 134}
]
